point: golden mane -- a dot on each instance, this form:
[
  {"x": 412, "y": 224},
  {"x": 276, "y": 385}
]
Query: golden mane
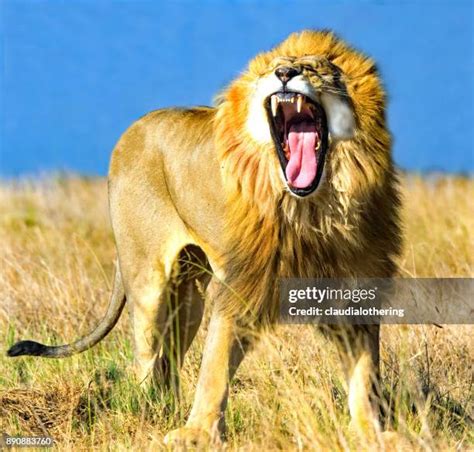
[{"x": 348, "y": 228}]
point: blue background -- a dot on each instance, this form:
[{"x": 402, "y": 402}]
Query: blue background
[{"x": 76, "y": 73}]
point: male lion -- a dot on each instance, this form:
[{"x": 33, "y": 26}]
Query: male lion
[{"x": 290, "y": 175}]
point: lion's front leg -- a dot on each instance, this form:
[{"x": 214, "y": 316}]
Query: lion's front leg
[
  {"x": 358, "y": 348},
  {"x": 223, "y": 352}
]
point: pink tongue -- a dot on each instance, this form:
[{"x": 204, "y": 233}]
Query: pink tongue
[{"x": 301, "y": 168}]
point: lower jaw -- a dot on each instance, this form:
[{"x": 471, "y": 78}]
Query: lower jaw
[{"x": 302, "y": 192}]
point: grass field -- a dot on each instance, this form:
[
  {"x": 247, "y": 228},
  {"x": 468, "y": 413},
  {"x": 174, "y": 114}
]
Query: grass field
[{"x": 56, "y": 263}]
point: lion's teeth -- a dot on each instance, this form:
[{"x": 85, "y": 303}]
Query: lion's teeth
[
  {"x": 274, "y": 101},
  {"x": 318, "y": 145},
  {"x": 299, "y": 103}
]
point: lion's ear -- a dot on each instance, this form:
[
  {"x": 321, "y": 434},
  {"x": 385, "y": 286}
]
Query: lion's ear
[{"x": 340, "y": 116}]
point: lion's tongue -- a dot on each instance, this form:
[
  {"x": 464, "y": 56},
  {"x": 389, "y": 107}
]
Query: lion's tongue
[{"x": 301, "y": 168}]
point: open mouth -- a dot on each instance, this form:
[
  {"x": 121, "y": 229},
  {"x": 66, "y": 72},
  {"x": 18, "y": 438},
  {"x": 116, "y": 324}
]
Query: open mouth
[{"x": 299, "y": 129}]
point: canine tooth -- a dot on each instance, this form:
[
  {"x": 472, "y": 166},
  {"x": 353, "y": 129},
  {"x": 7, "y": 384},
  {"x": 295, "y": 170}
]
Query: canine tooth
[
  {"x": 274, "y": 101},
  {"x": 299, "y": 103},
  {"x": 318, "y": 145}
]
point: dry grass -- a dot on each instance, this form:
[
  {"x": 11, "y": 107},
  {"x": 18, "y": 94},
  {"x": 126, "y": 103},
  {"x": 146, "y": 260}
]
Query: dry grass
[{"x": 56, "y": 266}]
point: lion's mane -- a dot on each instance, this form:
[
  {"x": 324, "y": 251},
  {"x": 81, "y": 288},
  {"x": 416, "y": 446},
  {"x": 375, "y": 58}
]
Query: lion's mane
[{"x": 349, "y": 228}]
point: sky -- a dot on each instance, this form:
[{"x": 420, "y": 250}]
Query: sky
[{"x": 76, "y": 73}]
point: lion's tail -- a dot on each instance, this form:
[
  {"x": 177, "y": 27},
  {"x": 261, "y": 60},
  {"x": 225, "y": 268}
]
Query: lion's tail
[{"x": 117, "y": 302}]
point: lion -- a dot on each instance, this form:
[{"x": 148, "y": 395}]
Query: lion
[{"x": 290, "y": 174}]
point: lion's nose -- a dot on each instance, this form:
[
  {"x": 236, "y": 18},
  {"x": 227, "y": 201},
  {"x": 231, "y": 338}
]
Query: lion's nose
[{"x": 285, "y": 73}]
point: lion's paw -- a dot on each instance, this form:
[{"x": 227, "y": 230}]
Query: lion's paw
[{"x": 188, "y": 438}]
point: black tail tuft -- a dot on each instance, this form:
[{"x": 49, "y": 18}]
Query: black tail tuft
[
  {"x": 30, "y": 348},
  {"x": 117, "y": 302}
]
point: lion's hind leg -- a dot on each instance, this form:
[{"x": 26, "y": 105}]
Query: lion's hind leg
[
  {"x": 185, "y": 309},
  {"x": 147, "y": 295},
  {"x": 166, "y": 309}
]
